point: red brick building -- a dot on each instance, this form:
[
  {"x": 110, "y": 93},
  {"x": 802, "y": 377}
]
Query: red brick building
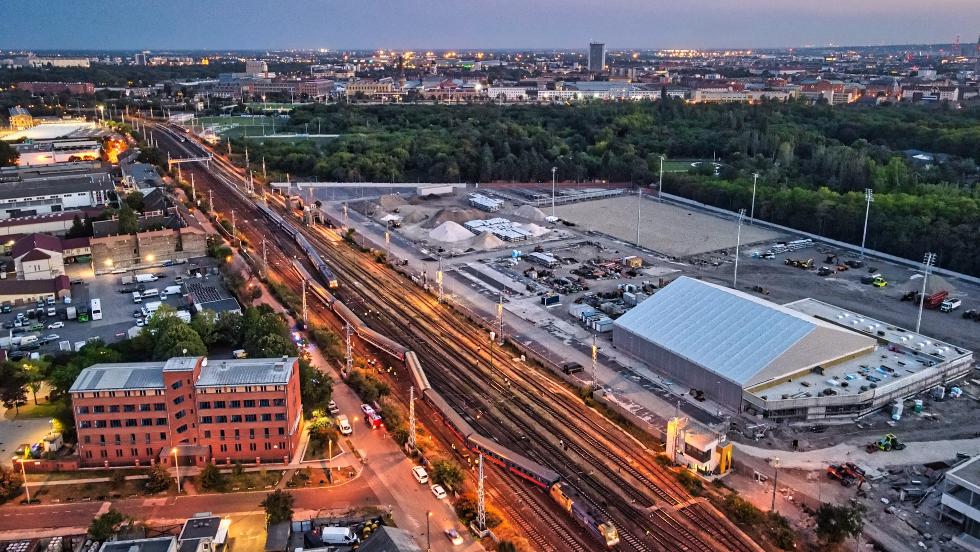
[
  {"x": 226, "y": 411},
  {"x": 76, "y": 88}
]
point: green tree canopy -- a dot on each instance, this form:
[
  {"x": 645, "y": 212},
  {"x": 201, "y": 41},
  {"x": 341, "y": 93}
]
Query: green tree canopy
[
  {"x": 105, "y": 526},
  {"x": 836, "y": 523},
  {"x": 278, "y": 506}
]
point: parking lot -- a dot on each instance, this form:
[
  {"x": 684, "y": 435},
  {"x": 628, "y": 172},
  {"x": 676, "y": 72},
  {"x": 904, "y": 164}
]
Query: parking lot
[{"x": 118, "y": 307}]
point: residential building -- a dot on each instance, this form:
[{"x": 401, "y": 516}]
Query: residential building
[
  {"x": 189, "y": 410},
  {"x": 75, "y": 88},
  {"x": 930, "y": 93},
  {"x": 20, "y": 118},
  {"x": 371, "y": 87},
  {"x": 43, "y": 257},
  {"x": 256, "y": 67},
  {"x": 26, "y": 292},
  {"x": 597, "y": 57}
]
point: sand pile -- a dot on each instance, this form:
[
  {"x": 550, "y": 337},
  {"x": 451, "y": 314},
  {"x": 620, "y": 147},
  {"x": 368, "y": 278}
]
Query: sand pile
[
  {"x": 486, "y": 240},
  {"x": 533, "y": 229},
  {"x": 412, "y": 214},
  {"x": 934, "y": 284},
  {"x": 530, "y": 212},
  {"x": 455, "y": 214},
  {"x": 391, "y": 201},
  {"x": 449, "y": 232}
]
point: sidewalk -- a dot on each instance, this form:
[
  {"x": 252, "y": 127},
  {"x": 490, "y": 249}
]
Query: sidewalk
[{"x": 914, "y": 453}]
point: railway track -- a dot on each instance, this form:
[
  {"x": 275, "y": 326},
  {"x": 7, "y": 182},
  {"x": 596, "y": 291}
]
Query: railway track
[{"x": 660, "y": 527}]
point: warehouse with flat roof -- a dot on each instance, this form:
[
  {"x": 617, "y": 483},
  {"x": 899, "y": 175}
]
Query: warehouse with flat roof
[{"x": 801, "y": 361}]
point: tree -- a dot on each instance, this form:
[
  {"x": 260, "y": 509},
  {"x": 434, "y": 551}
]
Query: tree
[
  {"x": 12, "y": 382},
  {"x": 8, "y": 155},
  {"x": 315, "y": 387},
  {"x": 318, "y": 426},
  {"x": 78, "y": 229},
  {"x": 506, "y": 546},
  {"x": 117, "y": 479},
  {"x": 158, "y": 480},
  {"x": 135, "y": 201},
  {"x": 230, "y": 328},
  {"x": 836, "y": 523},
  {"x": 211, "y": 478},
  {"x": 105, "y": 526},
  {"x": 278, "y": 506},
  {"x": 206, "y": 326},
  {"x": 447, "y": 473},
  {"x": 127, "y": 219},
  {"x": 10, "y": 483}
]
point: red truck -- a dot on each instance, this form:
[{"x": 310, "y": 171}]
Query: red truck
[{"x": 936, "y": 299}]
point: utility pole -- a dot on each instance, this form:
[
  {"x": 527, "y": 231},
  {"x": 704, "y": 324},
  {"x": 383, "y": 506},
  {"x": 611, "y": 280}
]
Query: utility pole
[
  {"x": 349, "y": 352},
  {"x": 869, "y": 196},
  {"x": 234, "y": 234},
  {"x": 493, "y": 336},
  {"x": 387, "y": 242},
  {"x": 928, "y": 261},
  {"x": 304, "y": 301},
  {"x": 265, "y": 265},
  {"x": 229, "y": 148},
  {"x": 660, "y": 185},
  {"x": 264, "y": 176},
  {"x": 246, "y": 154},
  {"x": 738, "y": 243},
  {"x": 411, "y": 418},
  {"x": 500, "y": 316},
  {"x": 345, "y": 217},
  {"x": 193, "y": 190},
  {"x": 595, "y": 363},
  {"x": 439, "y": 279},
  {"x": 481, "y": 506},
  {"x": 775, "y": 482},
  {"x": 553, "y": 189},
  {"x": 755, "y": 179}
]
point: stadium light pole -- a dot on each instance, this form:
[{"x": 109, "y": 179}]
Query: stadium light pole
[
  {"x": 177, "y": 466},
  {"x": 775, "y": 482},
  {"x": 869, "y": 195},
  {"x": 755, "y": 180},
  {"x": 928, "y": 261},
  {"x": 660, "y": 184},
  {"x": 553, "y": 189},
  {"x": 738, "y": 243}
]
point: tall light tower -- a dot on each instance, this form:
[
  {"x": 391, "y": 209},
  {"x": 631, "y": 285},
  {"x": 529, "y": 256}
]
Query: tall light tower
[
  {"x": 411, "y": 418},
  {"x": 595, "y": 363},
  {"x": 500, "y": 316},
  {"x": 639, "y": 199},
  {"x": 660, "y": 185},
  {"x": 738, "y": 244},
  {"x": 481, "y": 507},
  {"x": 755, "y": 180},
  {"x": 554, "y": 170},
  {"x": 869, "y": 196},
  {"x": 928, "y": 261},
  {"x": 304, "y": 300},
  {"x": 349, "y": 353}
]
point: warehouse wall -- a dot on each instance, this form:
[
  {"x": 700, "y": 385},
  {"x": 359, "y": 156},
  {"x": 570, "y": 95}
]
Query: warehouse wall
[{"x": 678, "y": 369}]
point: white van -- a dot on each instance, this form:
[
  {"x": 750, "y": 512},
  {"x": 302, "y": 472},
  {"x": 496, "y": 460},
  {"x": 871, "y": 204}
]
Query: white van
[
  {"x": 420, "y": 475},
  {"x": 137, "y": 298},
  {"x": 172, "y": 290},
  {"x": 344, "y": 425},
  {"x": 152, "y": 292}
]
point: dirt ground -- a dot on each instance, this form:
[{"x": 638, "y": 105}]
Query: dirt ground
[{"x": 667, "y": 229}]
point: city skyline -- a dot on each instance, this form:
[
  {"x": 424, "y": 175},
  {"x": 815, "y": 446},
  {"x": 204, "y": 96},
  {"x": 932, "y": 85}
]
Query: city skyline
[{"x": 309, "y": 24}]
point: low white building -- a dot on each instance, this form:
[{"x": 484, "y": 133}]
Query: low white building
[
  {"x": 508, "y": 93},
  {"x": 705, "y": 452}
]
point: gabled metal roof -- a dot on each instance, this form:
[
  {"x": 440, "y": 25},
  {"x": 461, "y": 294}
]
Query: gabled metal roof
[{"x": 733, "y": 334}]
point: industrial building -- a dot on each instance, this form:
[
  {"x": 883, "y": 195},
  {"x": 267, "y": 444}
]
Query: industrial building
[
  {"x": 20, "y": 196},
  {"x": 960, "y": 502},
  {"x": 806, "y": 360}
]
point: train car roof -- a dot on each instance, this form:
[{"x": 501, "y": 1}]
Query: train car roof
[
  {"x": 545, "y": 473},
  {"x": 449, "y": 413}
]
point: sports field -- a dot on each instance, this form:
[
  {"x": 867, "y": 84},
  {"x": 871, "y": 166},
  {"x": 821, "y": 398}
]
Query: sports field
[
  {"x": 234, "y": 126},
  {"x": 664, "y": 228}
]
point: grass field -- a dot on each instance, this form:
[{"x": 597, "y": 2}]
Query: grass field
[
  {"x": 679, "y": 165},
  {"x": 234, "y": 126}
]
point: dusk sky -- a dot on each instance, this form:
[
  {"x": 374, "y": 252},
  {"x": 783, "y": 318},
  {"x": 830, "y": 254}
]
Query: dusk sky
[{"x": 264, "y": 24}]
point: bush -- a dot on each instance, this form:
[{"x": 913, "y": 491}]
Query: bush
[
  {"x": 211, "y": 478},
  {"x": 105, "y": 526},
  {"x": 447, "y": 473},
  {"x": 158, "y": 480},
  {"x": 780, "y": 531},
  {"x": 466, "y": 510},
  {"x": 741, "y": 511},
  {"x": 690, "y": 482}
]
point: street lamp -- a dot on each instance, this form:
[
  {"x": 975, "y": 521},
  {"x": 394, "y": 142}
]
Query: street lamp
[
  {"x": 775, "y": 482},
  {"x": 177, "y": 465},
  {"x": 660, "y": 185},
  {"x": 869, "y": 196},
  {"x": 928, "y": 261},
  {"x": 428, "y": 535},
  {"x": 755, "y": 179},
  {"x": 23, "y": 473}
]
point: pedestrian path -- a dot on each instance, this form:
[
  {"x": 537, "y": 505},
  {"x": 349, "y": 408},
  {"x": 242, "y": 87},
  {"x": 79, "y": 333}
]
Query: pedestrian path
[{"x": 915, "y": 452}]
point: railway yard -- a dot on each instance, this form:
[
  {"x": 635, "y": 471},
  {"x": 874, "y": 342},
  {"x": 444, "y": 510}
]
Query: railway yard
[
  {"x": 508, "y": 405},
  {"x": 483, "y": 397}
]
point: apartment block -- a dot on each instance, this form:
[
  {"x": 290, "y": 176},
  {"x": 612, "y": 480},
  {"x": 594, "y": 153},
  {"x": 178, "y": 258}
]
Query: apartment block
[{"x": 189, "y": 410}]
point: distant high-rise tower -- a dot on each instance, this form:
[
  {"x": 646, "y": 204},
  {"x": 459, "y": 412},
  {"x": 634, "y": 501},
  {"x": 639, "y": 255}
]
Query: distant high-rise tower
[
  {"x": 597, "y": 57},
  {"x": 141, "y": 57}
]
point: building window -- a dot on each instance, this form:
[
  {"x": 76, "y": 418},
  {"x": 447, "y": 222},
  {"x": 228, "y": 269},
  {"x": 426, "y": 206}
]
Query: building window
[
  {"x": 84, "y": 424},
  {"x": 98, "y": 409},
  {"x": 235, "y": 404},
  {"x": 87, "y": 440},
  {"x": 280, "y": 417},
  {"x": 145, "y": 408},
  {"x": 236, "y": 418},
  {"x": 204, "y": 405},
  {"x": 282, "y": 431},
  {"x": 279, "y": 402},
  {"x": 131, "y": 422},
  {"x": 182, "y": 428},
  {"x": 180, "y": 414},
  {"x": 163, "y": 436},
  {"x": 224, "y": 448},
  {"x": 159, "y": 406},
  {"x": 129, "y": 408},
  {"x": 113, "y": 408},
  {"x": 251, "y": 446},
  {"x": 250, "y": 417},
  {"x": 221, "y": 434},
  {"x": 238, "y": 447},
  {"x": 146, "y": 422},
  {"x": 83, "y": 410},
  {"x": 100, "y": 423},
  {"x": 207, "y": 434},
  {"x": 219, "y": 404},
  {"x": 248, "y": 403},
  {"x": 222, "y": 419},
  {"x": 268, "y": 445},
  {"x": 161, "y": 421},
  {"x": 176, "y": 385},
  {"x": 205, "y": 419},
  {"x": 267, "y": 417},
  {"x": 179, "y": 399},
  {"x": 263, "y": 402}
]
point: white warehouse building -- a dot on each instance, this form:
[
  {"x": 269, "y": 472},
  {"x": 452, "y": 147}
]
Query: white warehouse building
[{"x": 805, "y": 360}]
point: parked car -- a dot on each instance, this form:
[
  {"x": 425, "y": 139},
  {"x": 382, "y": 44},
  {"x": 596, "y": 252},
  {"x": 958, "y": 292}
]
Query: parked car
[
  {"x": 344, "y": 425},
  {"x": 420, "y": 475},
  {"x": 438, "y": 491},
  {"x": 333, "y": 408},
  {"x": 453, "y": 536}
]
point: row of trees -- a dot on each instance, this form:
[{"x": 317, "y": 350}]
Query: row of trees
[{"x": 814, "y": 161}]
